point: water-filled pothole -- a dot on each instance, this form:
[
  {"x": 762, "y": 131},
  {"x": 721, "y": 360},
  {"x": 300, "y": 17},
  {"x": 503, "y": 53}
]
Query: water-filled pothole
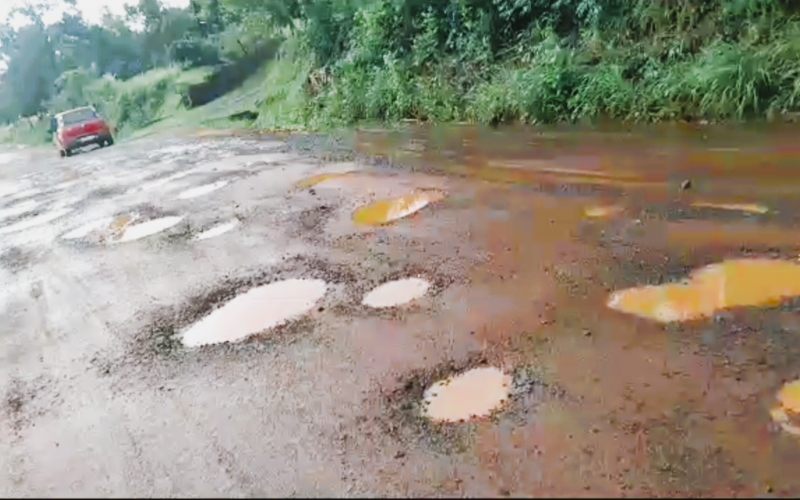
[
  {"x": 18, "y": 209},
  {"x": 202, "y": 190},
  {"x": 472, "y": 394},
  {"x": 95, "y": 227},
  {"x": 731, "y": 283},
  {"x": 162, "y": 181},
  {"x": 148, "y": 228},
  {"x": 105, "y": 192},
  {"x": 472, "y": 391},
  {"x": 159, "y": 332},
  {"x": 316, "y": 179},
  {"x": 753, "y": 208},
  {"x": 379, "y": 269},
  {"x": 27, "y": 193},
  {"x": 385, "y": 211},
  {"x": 603, "y": 211},
  {"x": 787, "y": 413},
  {"x": 34, "y": 221},
  {"x": 217, "y": 230},
  {"x": 123, "y": 227},
  {"x": 257, "y": 310},
  {"x": 397, "y": 292}
]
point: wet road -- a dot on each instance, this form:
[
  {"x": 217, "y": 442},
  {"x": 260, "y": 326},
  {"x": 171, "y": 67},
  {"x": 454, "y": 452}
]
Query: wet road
[{"x": 100, "y": 396}]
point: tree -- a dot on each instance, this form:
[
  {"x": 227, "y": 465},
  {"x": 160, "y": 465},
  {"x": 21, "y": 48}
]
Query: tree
[
  {"x": 31, "y": 70},
  {"x": 214, "y": 17}
]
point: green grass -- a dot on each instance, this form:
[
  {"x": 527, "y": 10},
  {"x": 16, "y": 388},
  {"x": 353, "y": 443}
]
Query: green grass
[
  {"x": 26, "y": 133},
  {"x": 352, "y": 63},
  {"x": 275, "y": 92}
]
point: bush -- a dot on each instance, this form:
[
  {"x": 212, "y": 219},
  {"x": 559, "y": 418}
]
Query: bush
[{"x": 194, "y": 52}]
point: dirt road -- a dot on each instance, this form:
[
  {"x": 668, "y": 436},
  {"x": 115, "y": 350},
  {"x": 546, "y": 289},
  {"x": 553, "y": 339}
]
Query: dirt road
[{"x": 99, "y": 395}]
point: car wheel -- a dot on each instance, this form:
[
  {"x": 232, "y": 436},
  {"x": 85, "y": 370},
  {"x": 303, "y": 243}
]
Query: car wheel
[
  {"x": 62, "y": 153},
  {"x": 68, "y": 152},
  {"x": 110, "y": 141}
]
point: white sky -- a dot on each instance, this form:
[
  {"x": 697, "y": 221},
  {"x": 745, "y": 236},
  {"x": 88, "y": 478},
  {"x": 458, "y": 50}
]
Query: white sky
[{"x": 92, "y": 10}]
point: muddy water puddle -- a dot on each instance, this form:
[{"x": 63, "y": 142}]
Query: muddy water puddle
[
  {"x": 396, "y": 293},
  {"x": 149, "y": 228},
  {"x": 653, "y": 275},
  {"x": 386, "y": 211},
  {"x": 470, "y": 395},
  {"x": 733, "y": 283},
  {"x": 217, "y": 230},
  {"x": 202, "y": 190},
  {"x": 257, "y": 310},
  {"x": 121, "y": 228}
]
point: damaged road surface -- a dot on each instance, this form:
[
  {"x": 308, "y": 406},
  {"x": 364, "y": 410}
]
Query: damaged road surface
[{"x": 503, "y": 313}]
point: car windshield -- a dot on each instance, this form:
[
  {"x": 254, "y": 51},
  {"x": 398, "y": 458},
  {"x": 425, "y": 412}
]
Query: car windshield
[{"x": 77, "y": 116}]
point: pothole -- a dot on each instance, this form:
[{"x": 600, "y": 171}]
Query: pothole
[
  {"x": 157, "y": 183},
  {"x": 217, "y": 230},
  {"x": 787, "y": 413},
  {"x": 202, "y": 190},
  {"x": 113, "y": 229},
  {"x": 395, "y": 293},
  {"x": 379, "y": 269},
  {"x": 603, "y": 211},
  {"x": 149, "y": 228},
  {"x": 105, "y": 192},
  {"x": 88, "y": 229},
  {"x": 18, "y": 209},
  {"x": 160, "y": 333},
  {"x": 259, "y": 309},
  {"x": 753, "y": 208},
  {"x": 27, "y": 193},
  {"x": 316, "y": 179},
  {"x": 34, "y": 221},
  {"x": 386, "y": 211},
  {"x": 731, "y": 283},
  {"x": 467, "y": 392},
  {"x": 472, "y": 394}
]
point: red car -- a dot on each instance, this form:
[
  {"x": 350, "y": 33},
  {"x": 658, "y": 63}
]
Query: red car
[{"x": 79, "y": 127}]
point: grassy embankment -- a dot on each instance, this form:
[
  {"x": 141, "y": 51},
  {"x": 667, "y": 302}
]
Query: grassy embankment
[
  {"x": 150, "y": 103},
  {"x": 494, "y": 62}
]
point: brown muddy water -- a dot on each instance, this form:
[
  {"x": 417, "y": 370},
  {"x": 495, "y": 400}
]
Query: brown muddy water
[
  {"x": 503, "y": 312},
  {"x": 650, "y": 275}
]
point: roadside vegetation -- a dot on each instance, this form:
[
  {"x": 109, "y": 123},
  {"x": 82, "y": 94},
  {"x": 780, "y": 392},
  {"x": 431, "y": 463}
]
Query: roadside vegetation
[{"x": 323, "y": 63}]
